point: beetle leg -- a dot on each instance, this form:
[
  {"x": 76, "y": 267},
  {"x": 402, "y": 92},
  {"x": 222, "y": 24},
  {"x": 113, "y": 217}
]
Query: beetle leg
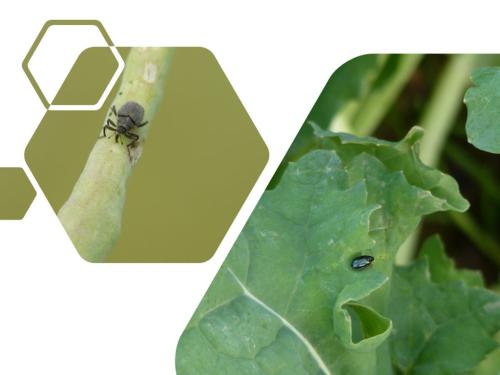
[
  {"x": 113, "y": 109},
  {"x": 141, "y": 125},
  {"x": 132, "y": 136},
  {"x": 109, "y": 125}
]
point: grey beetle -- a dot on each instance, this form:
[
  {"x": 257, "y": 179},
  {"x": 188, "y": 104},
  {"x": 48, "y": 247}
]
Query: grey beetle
[{"x": 128, "y": 117}]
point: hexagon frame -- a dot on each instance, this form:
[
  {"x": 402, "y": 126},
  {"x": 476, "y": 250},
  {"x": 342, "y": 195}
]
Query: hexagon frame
[{"x": 75, "y": 107}]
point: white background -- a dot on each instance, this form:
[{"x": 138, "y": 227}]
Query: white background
[{"x": 61, "y": 315}]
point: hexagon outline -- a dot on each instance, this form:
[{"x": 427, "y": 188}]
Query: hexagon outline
[{"x": 71, "y": 107}]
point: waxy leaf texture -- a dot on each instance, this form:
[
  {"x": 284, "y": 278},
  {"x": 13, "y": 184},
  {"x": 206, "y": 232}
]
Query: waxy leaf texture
[
  {"x": 483, "y": 110},
  {"x": 286, "y": 300},
  {"x": 443, "y": 324}
]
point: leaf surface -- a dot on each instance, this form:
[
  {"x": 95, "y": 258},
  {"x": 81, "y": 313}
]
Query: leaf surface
[
  {"x": 354, "y": 99},
  {"x": 286, "y": 300},
  {"x": 483, "y": 109},
  {"x": 443, "y": 327},
  {"x": 442, "y": 268}
]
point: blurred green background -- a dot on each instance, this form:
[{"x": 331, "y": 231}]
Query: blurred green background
[{"x": 384, "y": 96}]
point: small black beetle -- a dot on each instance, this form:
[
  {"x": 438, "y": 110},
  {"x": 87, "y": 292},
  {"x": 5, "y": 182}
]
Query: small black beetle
[
  {"x": 129, "y": 116},
  {"x": 362, "y": 262}
]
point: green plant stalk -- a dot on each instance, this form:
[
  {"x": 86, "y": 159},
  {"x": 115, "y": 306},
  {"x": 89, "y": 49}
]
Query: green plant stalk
[
  {"x": 446, "y": 101},
  {"x": 437, "y": 120},
  {"x": 92, "y": 215},
  {"x": 377, "y": 103},
  {"x": 342, "y": 120}
]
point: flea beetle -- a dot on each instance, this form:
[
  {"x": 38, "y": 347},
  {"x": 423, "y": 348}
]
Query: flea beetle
[
  {"x": 362, "y": 262},
  {"x": 128, "y": 117}
]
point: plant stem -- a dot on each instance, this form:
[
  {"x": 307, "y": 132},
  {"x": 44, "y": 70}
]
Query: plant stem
[
  {"x": 437, "y": 120},
  {"x": 341, "y": 120},
  {"x": 92, "y": 215},
  {"x": 378, "y": 102},
  {"x": 446, "y": 101}
]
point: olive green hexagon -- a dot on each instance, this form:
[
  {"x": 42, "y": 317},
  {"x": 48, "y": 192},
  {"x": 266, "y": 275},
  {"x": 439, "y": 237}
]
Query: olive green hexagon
[
  {"x": 201, "y": 160},
  {"x": 86, "y": 84},
  {"x": 16, "y": 193}
]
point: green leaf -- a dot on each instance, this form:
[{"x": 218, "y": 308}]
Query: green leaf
[
  {"x": 441, "y": 327},
  {"x": 442, "y": 268},
  {"x": 355, "y": 99},
  {"x": 438, "y": 190},
  {"x": 490, "y": 365},
  {"x": 371, "y": 328},
  {"x": 483, "y": 106},
  {"x": 286, "y": 300},
  {"x": 343, "y": 92},
  {"x": 349, "y": 83}
]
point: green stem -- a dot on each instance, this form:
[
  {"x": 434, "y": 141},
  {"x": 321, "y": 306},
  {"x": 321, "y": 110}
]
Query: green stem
[
  {"x": 378, "y": 102},
  {"x": 92, "y": 215},
  {"x": 437, "y": 120},
  {"x": 446, "y": 101},
  {"x": 342, "y": 118}
]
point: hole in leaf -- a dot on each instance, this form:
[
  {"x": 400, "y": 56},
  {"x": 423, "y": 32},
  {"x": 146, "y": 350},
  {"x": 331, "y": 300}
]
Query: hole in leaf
[{"x": 365, "y": 322}]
